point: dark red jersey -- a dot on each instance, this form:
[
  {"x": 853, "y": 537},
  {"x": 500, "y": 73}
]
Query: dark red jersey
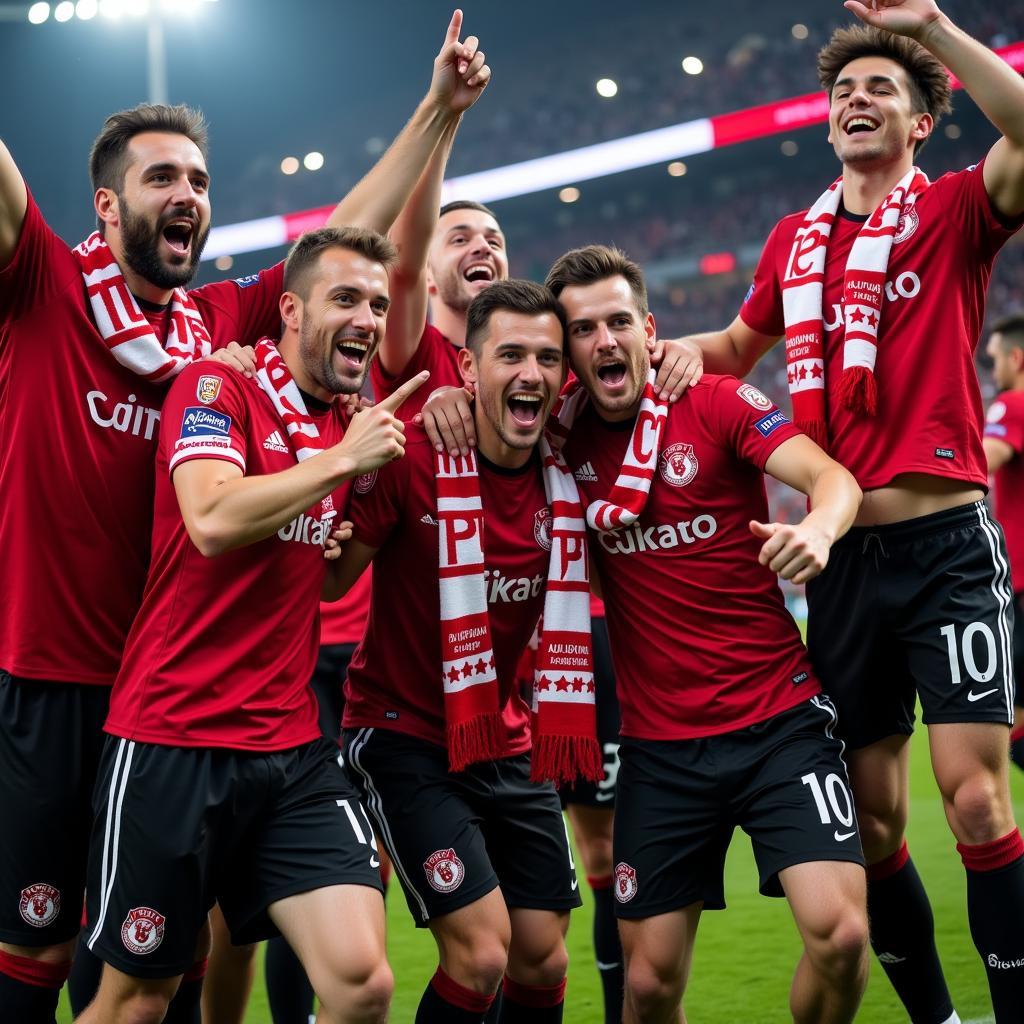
[{"x": 1005, "y": 422}]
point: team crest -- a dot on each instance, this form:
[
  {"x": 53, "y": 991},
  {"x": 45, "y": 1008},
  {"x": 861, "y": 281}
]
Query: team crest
[
  {"x": 445, "y": 871},
  {"x": 906, "y": 226},
  {"x": 40, "y": 904},
  {"x": 625, "y": 882},
  {"x": 678, "y": 465},
  {"x": 207, "y": 389},
  {"x": 364, "y": 484},
  {"x": 143, "y": 930},
  {"x": 753, "y": 397},
  {"x": 996, "y": 411},
  {"x": 542, "y": 528}
]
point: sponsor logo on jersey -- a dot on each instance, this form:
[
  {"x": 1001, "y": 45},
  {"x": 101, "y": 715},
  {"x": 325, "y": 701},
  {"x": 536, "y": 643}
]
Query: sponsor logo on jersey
[
  {"x": 1003, "y": 965},
  {"x": 204, "y": 423},
  {"x": 248, "y": 281},
  {"x": 904, "y": 286},
  {"x": 637, "y": 539},
  {"x": 996, "y": 411},
  {"x": 585, "y": 474},
  {"x": 364, "y": 483},
  {"x": 996, "y": 430},
  {"x": 504, "y": 589},
  {"x": 678, "y": 465},
  {"x": 625, "y": 882},
  {"x": 542, "y": 528},
  {"x": 945, "y": 453},
  {"x": 304, "y": 529},
  {"x": 143, "y": 930},
  {"x": 207, "y": 389},
  {"x": 39, "y": 905},
  {"x": 275, "y": 443},
  {"x": 445, "y": 871},
  {"x": 753, "y": 397},
  {"x": 124, "y": 417},
  {"x": 769, "y": 424},
  {"x": 750, "y": 292},
  {"x": 907, "y": 224}
]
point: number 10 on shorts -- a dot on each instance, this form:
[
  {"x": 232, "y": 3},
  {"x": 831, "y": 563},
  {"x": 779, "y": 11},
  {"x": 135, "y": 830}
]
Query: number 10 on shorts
[
  {"x": 833, "y": 797},
  {"x": 979, "y": 675}
]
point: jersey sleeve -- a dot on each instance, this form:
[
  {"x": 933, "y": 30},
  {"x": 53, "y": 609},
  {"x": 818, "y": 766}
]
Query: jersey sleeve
[
  {"x": 966, "y": 202},
  {"x": 243, "y": 310},
  {"x": 1005, "y": 421},
  {"x": 204, "y": 417},
  {"x": 376, "y": 502},
  {"x": 747, "y": 421},
  {"x": 762, "y": 307},
  {"x": 41, "y": 266}
]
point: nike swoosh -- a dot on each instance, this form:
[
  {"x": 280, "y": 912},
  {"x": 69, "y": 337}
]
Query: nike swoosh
[
  {"x": 604, "y": 797},
  {"x": 972, "y": 696},
  {"x": 841, "y": 836},
  {"x": 374, "y": 863},
  {"x": 606, "y": 967},
  {"x": 575, "y": 884}
]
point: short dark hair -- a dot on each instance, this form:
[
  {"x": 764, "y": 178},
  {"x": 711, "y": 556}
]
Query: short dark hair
[
  {"x": 305, "y": 254},
  {"x": 930, "y": 90},
  {"x": 108, "y": 158},
  {"x": 1010, "y": 329},
  {"x": 593, "y": 263},
  {"x": 515, "y": 295},
  {"x": 466, "y": 204}
]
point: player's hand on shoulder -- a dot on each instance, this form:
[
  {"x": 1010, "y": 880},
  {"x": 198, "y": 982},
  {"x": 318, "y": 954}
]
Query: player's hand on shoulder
[
  {"x": 680, "y": 365},
  {"x": 339, "y": 535},
  {"x": 239, "y": 357},
  {"x": 447, "y": 417},
  {"x": 902, "y": 17},
  {"x": 460, "y": 74},
  {"x": 375, "y": 435},
  {"x": 796, "y": 552}
]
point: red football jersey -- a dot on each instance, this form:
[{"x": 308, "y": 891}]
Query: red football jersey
[
  {"x": 436, "y": 354},
  {"x": 1005, "y": 422},
  {"x": 394, "y": 680},
  {"x": 80, "y": 435},
  {"x": 929, "y": 404},
  {"x": 222, "y": 650},
  {"x": 701, "y": 639}
]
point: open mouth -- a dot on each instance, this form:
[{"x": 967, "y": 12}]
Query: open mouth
[
  {"x": 353, "y": 351},
  {"x": 178, "y": 235},
  {"x": 859, "y": 125},
  {"x": 525, "y": 407},
  {"x": 612, "y": 374},
  {"x": 479, "y": 273}
]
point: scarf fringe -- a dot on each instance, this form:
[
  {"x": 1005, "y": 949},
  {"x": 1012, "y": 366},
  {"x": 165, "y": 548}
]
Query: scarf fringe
[
  {"x": 816, "y": 430},
  {"x": 480, "y": 738},
  {"x": 858, "y": 391},
  {"x": 560, "y": 759}
]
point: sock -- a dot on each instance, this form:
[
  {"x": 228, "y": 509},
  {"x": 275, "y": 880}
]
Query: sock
[
  {"x": 185, "y": 1006},
  {"x": 607, "y": 948},
  {"x": 531, "y": 1004},
  {"x": 445, "y": 1001},
  {"x": 84, "y": 979},
  {"x": 494, "y": 1013},
  {"x": 903, "y": 938},
  {"x": 995, "y": 909},
  {"x": 29, "y": 988},
  {"x": 1017, "y": 743},
  {"x": 289, "y": 992}
]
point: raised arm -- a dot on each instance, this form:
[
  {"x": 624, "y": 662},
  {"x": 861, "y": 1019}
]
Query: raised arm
[
  {"x": 997, "y": 454},
  {"x": 993, "y": 85},
  {"x": 13, "y": 202},
  {"x": 460, "y": 76}
]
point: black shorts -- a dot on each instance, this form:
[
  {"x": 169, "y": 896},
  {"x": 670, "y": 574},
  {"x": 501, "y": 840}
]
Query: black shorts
[
  {"x": 51, "y": 738},
  {"x": 600, "y": 794},
  {"x": 328, "y": 682},
  {"x": 921, "y": 607},
  {"x": 782, "y": 781},
  {"x": 453, "y": 837},
  {"x": 178, "y": 829}
]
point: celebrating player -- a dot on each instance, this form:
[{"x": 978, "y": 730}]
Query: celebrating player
[
  {"x": 481, "y": 851},
  {"x": 1004, "y": 448},
  {"x": 879, "y": 290}
]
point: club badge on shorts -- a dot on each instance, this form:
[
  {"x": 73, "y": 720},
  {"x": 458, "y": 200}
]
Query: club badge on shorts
[
  {"x": 40, "y": 904},
  {"x": 625, "y": 882},
  {"x": 445, "y": 871},
  {"x": 143, "y": 930}
]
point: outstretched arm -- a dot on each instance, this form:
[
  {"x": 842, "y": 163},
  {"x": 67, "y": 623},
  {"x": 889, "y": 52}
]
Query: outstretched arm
[
  {"x": 460, "y": 76},
  {"x": 13, "y": 202},
  {"x": 731, "y": 351},
  {"x": 996, "y": 88}
]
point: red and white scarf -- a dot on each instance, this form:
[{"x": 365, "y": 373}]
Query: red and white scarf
[
  {"x": 628, "y": 496},
  {"x": 564, "y": 720},
  {"x": 129, "y": 336},
  {"x": 863, "y": 297},
  {"x": 276, "y": 379}
]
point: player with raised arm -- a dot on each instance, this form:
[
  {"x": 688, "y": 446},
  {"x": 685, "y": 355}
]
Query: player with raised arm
[
  {"x": 481, "y": 543},
  {"x": 1004, "y": 452},
  {"x": 879, "y": 289}
]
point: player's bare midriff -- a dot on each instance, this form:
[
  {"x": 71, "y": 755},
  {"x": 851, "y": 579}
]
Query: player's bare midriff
[{"x": 911, "y": 495}]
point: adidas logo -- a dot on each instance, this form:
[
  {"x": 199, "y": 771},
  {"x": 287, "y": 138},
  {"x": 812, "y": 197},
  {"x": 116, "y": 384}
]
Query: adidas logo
[
  {"x": 429, "y": 520},
  {"x": 890, "y": 958},
  {"x": 275, "y": 443},
  {"x": 585, "y": 474}
]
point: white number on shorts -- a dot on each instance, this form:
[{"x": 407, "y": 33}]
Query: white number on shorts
[
  {"x": 967, "y": 650},
  {"x": 358, "y": 829},
  {"x": 834, "y": 788},
  {"x": 611, "y": 768}
]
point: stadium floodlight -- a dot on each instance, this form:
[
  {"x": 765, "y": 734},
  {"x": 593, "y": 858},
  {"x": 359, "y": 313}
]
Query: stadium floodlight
[
  {"x": 693, "y": 65},
  {"x": 111, "y": 9},
  {"x": 313, "y": 161},
  {"x": 38, "y": 13},
  {"x": 85, "y": 10},
  {"x": 64, "y": 11},
  {"x": 607, "y": 87},
  {"x": 677, "y": 168},
  {"x": 569, "y": 194},
  {"x": 289, "y": 165},
  {"x": 799, "y": 31}
]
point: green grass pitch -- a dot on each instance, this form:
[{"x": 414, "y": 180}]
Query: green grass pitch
[{"x": 745, "y": 954}]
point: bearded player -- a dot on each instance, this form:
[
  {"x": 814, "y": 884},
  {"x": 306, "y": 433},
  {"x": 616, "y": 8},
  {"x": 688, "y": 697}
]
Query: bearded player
[{"x": 879, "y": 290}]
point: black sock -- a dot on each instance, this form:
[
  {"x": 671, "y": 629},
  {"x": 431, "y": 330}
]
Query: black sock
[
  {"x": 608, "y": 949},
  {"x": 84, "y": 979},
  {"x": 185, "y": 1006},
  {"x": 494, "y": 1013},
  {"x": 527, "y": 1004},
  {"x": 903, "y": 938},
  {"x": 995, "y": 909},
  {"x": 29, "y": 990},
  {"x": 447, "y": 1002},
  {"x": 289, "y": 992}
]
